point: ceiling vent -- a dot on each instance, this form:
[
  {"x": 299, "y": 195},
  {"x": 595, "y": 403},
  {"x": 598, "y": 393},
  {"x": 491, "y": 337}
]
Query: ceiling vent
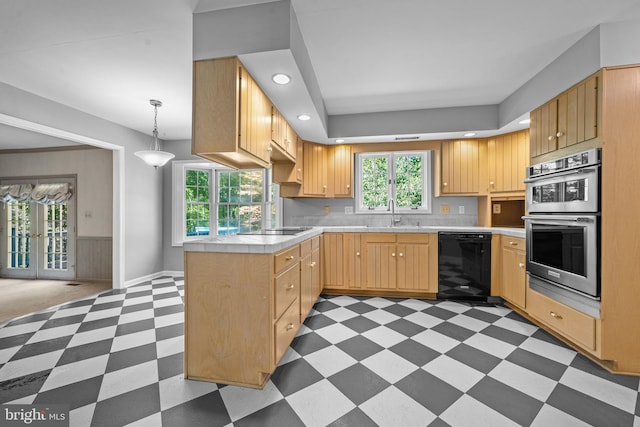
[{"x": 406, "y": 138}]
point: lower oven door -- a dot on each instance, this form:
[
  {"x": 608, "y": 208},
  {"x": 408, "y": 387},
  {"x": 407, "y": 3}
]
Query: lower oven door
[{"x": 564, "y": 249}]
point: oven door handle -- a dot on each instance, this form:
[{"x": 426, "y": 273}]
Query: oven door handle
[
  {"x": 566, "y": 218},
  {"x": 564, "y": 173}
]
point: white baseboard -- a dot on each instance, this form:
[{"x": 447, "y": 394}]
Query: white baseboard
[{"x": 149, "y": 277}]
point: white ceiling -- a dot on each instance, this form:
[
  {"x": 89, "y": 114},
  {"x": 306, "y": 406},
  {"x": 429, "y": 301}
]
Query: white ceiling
[{"x": 108, "y": 58}]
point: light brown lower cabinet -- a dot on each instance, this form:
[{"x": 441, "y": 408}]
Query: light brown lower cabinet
[
  {"x": 242, "y": 310},
  {"x": 576, "y": 326},
  {"x": 381, "y": 263},
  {"x": 513, "y": 270}
]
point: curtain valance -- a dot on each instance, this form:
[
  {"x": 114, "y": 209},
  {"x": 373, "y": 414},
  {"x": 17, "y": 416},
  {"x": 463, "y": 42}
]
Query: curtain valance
[{"x": 45, "y": 194}]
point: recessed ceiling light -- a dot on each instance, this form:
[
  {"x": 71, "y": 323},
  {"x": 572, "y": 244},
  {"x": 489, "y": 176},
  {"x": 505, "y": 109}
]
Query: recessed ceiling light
[
  {"x": 281, "y": 79},
  {"x": 340, "y": 141},
  {"x": 304, "y": 117},
  {"x": 525, "y": 121},
  {"x": 468, "y": 134}
]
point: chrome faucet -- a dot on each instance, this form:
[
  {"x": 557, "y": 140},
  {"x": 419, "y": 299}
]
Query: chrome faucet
[{"x": 392, "y": 208}]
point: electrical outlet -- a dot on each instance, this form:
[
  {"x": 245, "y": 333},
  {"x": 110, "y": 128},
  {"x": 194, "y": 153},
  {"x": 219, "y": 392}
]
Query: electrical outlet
[
  {"x": 327, "y": 210},
  {"x": 461, "y": 210},
  {"x": 497, "y": 208},
  {"x": 444, "y": 209},
  {"x": 348, "y": 210}
]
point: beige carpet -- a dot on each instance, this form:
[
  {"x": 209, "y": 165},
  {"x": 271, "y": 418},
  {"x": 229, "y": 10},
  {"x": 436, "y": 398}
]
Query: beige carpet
[{"x": 19, "y": 297}]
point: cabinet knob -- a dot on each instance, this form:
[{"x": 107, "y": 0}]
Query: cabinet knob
[
  {"x": 313, "y": 264},
  {"x": 348, "y": 186},
  {"x": 299, "y": 170},
  {"x": 291, "y": 286},
  {"x": 393, "y": 254},
  {"x": 560, "y": 134},
  {"x": 357, "y": 253},
  {"x": 551, "y": 138},
  {"x": 513, "y": 243},
  {"x": 555, "y": 315},
  {"x": 289, "y": 327},
  {"x": 269, "y": 149},
  {"x": 444, "y": 184},
  {"x": 401, "y": 254},
  {"x": 521, "y": 264},
  {"x": 491, "y": 183},
  {"x": 289, "y": 258}
]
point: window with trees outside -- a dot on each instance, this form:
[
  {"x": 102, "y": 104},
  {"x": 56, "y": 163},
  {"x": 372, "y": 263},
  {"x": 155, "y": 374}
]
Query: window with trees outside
[
  {"x": 403, "y": 177},
  {"x": 210, "y": 201}
]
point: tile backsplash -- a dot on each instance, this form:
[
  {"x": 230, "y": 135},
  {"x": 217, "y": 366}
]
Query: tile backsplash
[{"x": 331, "y": 212}]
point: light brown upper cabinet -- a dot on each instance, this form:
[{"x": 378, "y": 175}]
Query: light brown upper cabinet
[
  {"x": 314, "y": 170},
  {"x": 341, "y": 165},
  {"x": 570, "y": 119},
  {"x": 284, "y": 138},
  {"x": 231, "y": 115},
  {"x": 508, "y": 157},
  {"x": 460, "y": 167}
]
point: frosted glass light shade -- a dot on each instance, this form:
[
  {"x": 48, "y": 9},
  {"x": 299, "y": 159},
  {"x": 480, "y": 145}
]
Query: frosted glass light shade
[{"x": 154, "y": 158}]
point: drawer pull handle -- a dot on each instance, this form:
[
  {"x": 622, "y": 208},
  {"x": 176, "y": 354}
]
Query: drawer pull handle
[
  {"x": 513, "y": 243},
  {"x": 289, "y": 258},
  {"x": 521, "y": 265},
  {"x": 291, "y": 286},
  {"x": 555, "y": 315},
  {"x": 289, "y": 327}
]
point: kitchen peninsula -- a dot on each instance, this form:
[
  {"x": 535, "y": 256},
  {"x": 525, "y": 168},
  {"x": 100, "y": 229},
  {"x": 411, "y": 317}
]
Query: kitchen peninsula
[{"x": 246, "y": 296}]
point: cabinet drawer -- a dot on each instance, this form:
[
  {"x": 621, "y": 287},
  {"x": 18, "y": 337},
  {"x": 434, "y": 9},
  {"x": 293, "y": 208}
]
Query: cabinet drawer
[
  {"x": 287, "y": 288},
  {"x": 513, "y": 242},
  {"x": 315, "y": 243},
  {"x": 285, "y": 329},
  {"x": 305, "y": 248},
  {"x": 413, "y": 237},
  {"x": 286, "y": 258},
  {"x": 576, "y": 326}
]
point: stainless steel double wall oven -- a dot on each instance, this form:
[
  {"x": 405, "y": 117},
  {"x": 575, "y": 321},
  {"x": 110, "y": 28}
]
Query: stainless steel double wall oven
[{"x": 563, "y": 224}]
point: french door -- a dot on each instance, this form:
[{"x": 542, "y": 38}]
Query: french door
[{"x": 38, "y": 240}]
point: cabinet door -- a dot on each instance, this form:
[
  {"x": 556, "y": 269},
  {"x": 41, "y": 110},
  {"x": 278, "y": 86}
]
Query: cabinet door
[
  {"x": 255, "y": 118},
  {"x": 276, "y": 126},
  {"x": 290, "y": 140},
  {"x": 352, "y": 260},
  {"x": 306, "y": 286},
  {"x": 334, "y": 258},
  {"x": 342, "y": 165},
  {"x": 513, "y": 275},
  {"x": 316, "y": 284},
  {"x": 314, "y": 170},
  {"x": 508, "y": 160},
  {"x": 582, "y": 112},
  {"x": 380, "y": 262},
  {"x": 460, "y": 167},
  {"x": 417, "y": 264}
]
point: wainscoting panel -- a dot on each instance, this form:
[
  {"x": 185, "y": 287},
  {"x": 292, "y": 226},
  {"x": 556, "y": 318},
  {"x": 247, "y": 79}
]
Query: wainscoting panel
[{"x": 94, "y": 258}]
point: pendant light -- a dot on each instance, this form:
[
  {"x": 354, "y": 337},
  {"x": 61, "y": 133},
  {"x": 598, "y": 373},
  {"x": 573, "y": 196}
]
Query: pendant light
[{"x": 154, "y": 157}]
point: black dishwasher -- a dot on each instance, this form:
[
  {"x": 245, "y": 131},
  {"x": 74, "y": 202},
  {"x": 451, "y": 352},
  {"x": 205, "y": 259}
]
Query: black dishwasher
[{"x": 464, "y": 266}]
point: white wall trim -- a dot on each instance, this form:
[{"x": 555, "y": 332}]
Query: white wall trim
[{"x": 150, "y": 277}]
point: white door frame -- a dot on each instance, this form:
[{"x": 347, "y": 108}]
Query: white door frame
[{"x": 118, "y": 184}]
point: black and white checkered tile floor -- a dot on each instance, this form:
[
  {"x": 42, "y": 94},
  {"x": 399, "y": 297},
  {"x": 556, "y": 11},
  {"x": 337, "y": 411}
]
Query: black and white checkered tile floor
[{"x": 117, "y": 359}]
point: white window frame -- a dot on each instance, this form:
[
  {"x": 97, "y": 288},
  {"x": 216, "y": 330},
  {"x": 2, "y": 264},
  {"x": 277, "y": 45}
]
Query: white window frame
[
  {"x": 178, "y": 202},
  {"x": 427, "y": 172}
]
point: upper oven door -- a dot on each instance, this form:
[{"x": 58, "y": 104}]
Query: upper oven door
[{"x": 570, "y": 191}]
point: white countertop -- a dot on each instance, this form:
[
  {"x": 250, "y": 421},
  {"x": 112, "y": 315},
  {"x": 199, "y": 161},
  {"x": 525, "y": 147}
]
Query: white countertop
[{"x": 256, "y": 243}]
